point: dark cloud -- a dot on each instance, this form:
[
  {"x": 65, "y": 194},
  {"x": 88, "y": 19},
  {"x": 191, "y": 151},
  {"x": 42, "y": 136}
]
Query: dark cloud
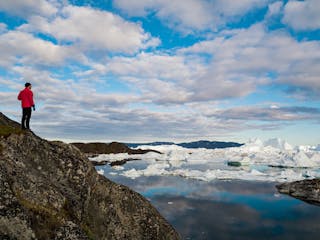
[{"x": 303, "y": 92}]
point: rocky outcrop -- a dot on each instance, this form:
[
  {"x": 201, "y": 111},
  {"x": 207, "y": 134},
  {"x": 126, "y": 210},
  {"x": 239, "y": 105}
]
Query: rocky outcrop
[
  {"x": 305, "y": 190},
  {"x": 92, "y": 150},
  {"x": 50, "y": 190},
  {"x": 107, "y": 148}
]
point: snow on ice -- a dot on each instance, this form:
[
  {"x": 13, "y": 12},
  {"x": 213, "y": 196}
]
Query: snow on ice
[{"x": 272, "y": 160}]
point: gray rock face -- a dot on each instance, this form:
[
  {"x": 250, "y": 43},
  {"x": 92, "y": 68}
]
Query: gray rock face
[
  {"x": 305, "y": 190},
  {"x": 51, "y": 191}
]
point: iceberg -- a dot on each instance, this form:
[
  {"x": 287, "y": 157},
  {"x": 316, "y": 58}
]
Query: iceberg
[
  {"x": 271, "y": 160},
  {"x": 101, "y": 172},
  {"x": 278, "y": 144}
]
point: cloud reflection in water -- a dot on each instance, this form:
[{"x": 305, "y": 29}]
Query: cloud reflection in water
[{"x": 227, "y": 209}]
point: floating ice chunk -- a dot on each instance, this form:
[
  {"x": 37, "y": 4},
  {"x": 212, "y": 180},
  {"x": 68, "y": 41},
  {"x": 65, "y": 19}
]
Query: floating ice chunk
[
  {"x": 132, "y": 173},
  {"x": 152, "y": 170},
  {"x": 278, "y": 143},
  {"x": 210, "y": 175},
  {"x": 290, "y": 175},
  {"x": 195, "y": 174},
  {"x": 302, "y": 160},
  {"x": 255, "y": 158},
  {"x": 257, "y": 173},
  {"x": 120, "y": 156},
  {"x": 110, "y": 157},
  {"x": 315, "y": 157},
  {"x": 253, "y": 145},
  {"x": 303, "y": 148},
  {"x": 296, "y": 159},
  {"x": 308, "y": 148},
  {"x": 177, "y": 155},
  {"x": 246, "y": 161},
  {"x": 161, "y": 148},
  {"x": 155, "y": 169},
  {"x": 118, "y": 168},
  {"x": 176, "y": 163},
  {"x": 100, "y": 171}
]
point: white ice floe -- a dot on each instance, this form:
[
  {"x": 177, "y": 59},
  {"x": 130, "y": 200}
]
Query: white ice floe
[
  {"x": 101, "y": 172},
  {"x": 272, "y": 160},
  {"x": 118, "y": 168},
  {"x": 120, "y": 156}
]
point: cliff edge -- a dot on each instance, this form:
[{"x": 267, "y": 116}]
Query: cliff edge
[{"x": 50, "y": 190}]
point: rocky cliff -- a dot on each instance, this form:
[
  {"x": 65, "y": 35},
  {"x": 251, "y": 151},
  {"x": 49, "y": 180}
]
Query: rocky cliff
[
  {"x": 305, "y": 190},
  {"x": 49, "y": 190}
]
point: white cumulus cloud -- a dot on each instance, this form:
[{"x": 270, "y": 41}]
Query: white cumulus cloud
[
  {"x": 302, "y": 15},
  {"x": 93, "y": 29},
  {"x": 274, "y": 9},
  {"x": 190, "y": 15},
  {"x": 26, "y": 8},
  {"x": 245, "y": 57},
  {"x": 24, "y": 48},
  {"x": 3, "y": 27}
]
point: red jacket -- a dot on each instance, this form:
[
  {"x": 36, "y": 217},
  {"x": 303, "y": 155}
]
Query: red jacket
[{"x": 26, "y": 98}]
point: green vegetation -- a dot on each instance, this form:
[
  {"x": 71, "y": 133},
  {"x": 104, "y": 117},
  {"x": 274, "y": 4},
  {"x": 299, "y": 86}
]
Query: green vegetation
[
  {"x": 6, "y": 131},
  {"x": 45, "y": 218},
  {"x": 87, "y": 231}
]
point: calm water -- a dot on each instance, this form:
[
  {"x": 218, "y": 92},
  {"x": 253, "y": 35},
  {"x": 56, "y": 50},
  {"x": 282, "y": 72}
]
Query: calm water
[{"x": 226, "y": 209}]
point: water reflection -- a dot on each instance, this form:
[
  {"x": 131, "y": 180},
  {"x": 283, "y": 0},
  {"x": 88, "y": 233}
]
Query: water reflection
[
  {"x": 205, "y": 219},
  {"x": 227, "y": 209}
]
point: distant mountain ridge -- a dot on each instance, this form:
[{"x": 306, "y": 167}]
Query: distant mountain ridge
[{"x": 197, "y": 144}]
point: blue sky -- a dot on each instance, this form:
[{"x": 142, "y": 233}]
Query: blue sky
[{"x": 151, "y": 70}]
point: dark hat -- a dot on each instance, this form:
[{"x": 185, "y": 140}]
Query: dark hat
[{"x": 27, "y": 84}]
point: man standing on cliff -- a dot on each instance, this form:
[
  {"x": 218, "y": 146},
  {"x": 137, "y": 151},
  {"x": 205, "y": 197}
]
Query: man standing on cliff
[{"x": 26, "y": 98}]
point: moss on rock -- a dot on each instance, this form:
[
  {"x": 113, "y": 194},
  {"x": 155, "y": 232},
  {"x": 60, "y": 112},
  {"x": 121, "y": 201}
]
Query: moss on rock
[{"x": 6, "y": 131}]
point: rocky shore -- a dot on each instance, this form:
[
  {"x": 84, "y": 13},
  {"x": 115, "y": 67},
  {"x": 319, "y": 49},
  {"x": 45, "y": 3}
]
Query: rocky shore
[
  {"x": 305, "y": 190},
  {"x": 108, "y": 148},
  {"x": 93, "y": 149},
  {"x": 50, "y": 190}
]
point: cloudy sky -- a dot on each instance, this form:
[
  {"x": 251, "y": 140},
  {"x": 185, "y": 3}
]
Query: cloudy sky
[{"x": 176, "y": 70}]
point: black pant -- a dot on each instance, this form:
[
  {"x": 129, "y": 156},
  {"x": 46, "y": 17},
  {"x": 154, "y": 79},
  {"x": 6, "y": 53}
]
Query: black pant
[{"x": 26, "y": 115}]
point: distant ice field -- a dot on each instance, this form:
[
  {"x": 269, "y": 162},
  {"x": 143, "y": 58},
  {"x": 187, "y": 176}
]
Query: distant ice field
[{"x": 274, "y": 160}]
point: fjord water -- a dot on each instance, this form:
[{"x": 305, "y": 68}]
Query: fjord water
[
  {"x": 224, "y": 209},
  {"x": 204, "y": 197}
]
